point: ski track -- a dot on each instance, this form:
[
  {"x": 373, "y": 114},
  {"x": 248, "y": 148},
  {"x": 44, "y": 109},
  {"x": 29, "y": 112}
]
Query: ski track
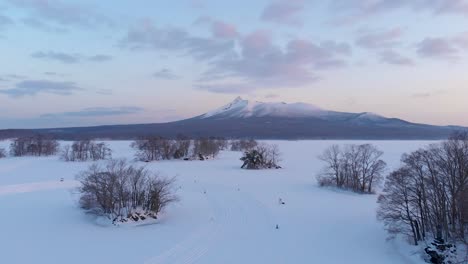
[{"x": 232, "y": 210}]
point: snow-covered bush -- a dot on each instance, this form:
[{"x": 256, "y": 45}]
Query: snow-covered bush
[
  {"x": 37, "y": 145},
  {"x": 123, "y": 192},
  {"x": 354, "y": 167},
  {"x": 262, "y": 156},
  {"x": 3, "y": 153},
  {"x": 85, "y": 150}
]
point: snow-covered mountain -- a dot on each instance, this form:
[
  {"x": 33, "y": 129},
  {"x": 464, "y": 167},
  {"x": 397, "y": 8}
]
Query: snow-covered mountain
[
  {"x": 250, "y": 119},
  {"x": 241, "y": 108}
]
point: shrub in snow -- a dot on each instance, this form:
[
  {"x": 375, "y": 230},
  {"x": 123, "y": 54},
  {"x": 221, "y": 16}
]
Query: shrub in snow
[
  {"x": 354, "y": 167},
  {"x": 2, "y": 153},
  {"x": 206, "y": 148},
  {"x": 123, "y": 192},
  {"x": 85, "y": 150},
  {"x": 262, "y": 156},
  {"x": 37, "y": 145}
]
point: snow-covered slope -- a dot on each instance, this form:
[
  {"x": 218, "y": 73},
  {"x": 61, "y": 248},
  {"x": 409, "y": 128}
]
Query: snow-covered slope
[{"x": 241, "y": 108}]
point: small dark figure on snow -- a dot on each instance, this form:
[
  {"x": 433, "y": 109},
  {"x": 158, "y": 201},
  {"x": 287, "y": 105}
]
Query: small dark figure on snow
[
  {"x": 277, "y": 226},
  {"x": 280, "y": 201}
]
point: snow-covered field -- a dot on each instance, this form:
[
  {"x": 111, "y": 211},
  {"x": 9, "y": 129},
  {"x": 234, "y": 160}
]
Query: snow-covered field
[{"x": 234, "y": 222}]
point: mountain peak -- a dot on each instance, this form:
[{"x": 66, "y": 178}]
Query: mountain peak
[{"x": 241, "y": 108}]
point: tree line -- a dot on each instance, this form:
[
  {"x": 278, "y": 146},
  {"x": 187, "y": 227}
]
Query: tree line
[
  {"x": 427, "y": 196},
  {"x": 157, "y": 148}
]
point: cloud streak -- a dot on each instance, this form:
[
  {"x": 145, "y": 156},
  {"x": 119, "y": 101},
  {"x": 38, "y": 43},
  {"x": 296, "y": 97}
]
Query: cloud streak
[
  {"x": 62, "y": 13},
  {"x": 35, "y": 87},
  {"x": 69, "y": 58},
  {"x": 98, "y": 112},
  {"x": 446, "y": 48},
  {"x": 165, "y": 74}
]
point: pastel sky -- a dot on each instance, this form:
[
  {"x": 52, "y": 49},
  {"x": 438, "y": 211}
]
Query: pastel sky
[{"x": 87, "y": 62}]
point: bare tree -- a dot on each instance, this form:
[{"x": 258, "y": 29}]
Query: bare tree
[
  {"x": 3, "y": 153},
  {"x": 85, "y": 150},
  {"x": 123, "y": 192},
  {"x": 432, "y": 184},
  {"x": 206, "y": 148},
  {"x": 355, "y": 167}
]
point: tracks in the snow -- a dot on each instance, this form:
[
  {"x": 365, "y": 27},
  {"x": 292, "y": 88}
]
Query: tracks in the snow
[{"x": 232, "y": 212}]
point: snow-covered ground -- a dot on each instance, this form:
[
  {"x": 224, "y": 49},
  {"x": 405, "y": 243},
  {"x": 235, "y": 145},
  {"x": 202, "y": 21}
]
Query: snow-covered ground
[{"x": 234, "y": 222}]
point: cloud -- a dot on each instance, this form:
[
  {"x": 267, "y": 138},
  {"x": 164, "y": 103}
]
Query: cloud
[
  {"x": 284, "y": 12},
  {"x": 380, "y": 40},
  {"x": 69, "y": 58},
  {"x": 261, "y": 64},
  {"x": 104, "y": 91},
  {"x": 63, "y": 13},
  {"x": 165, "y": 74},
  {"x": 41, "y": 25},
  {"x": 392, "y": 57},
  {"x": 224, "y": 30},
  {"x": 253, "y": 60},
  {"x": 439, "y": 48},
  {"x": 198, "y": 4},
  {"x": 171, "y": 39},
  {"x": 57, "y": 56},
  {"x": 51, "y": 73},
  {"x": 353, "y": 11},
  {"x": 219, "y": 29},
  {"x": 424, "y": 95},
  {"x": 98, "y": 112},
  {"x": 34, "y": 87},
  {"x": 100, "y": 58},
  {"x": 271, "y": 96},
  {"x": 5, "y": 21}
]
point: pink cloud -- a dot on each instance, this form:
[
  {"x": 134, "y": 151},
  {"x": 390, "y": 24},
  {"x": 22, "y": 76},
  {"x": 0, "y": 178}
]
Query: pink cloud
[{"x": 224, "y": 30}]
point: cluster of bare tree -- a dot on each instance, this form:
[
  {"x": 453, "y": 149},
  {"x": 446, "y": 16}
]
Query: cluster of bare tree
[
  {"x": 123, "y": 192},
  {"x": 37, "y": 145},
  {"x": 157, "y": 148},
  {"x": 3, "y": 153},
  {"x": 427, "y": 197},
  {"x": 355, "y": 167},
  {"x": 243, "y": 144},
  {"x": 85, "y": 150},
  {"x": 262, "y": 156}
]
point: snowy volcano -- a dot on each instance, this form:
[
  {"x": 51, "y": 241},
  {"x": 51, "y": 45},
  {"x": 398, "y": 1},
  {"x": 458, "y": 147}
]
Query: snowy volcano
[
  {"x": 241, "y": 108},
  {"x": 262, "y": 120}
]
